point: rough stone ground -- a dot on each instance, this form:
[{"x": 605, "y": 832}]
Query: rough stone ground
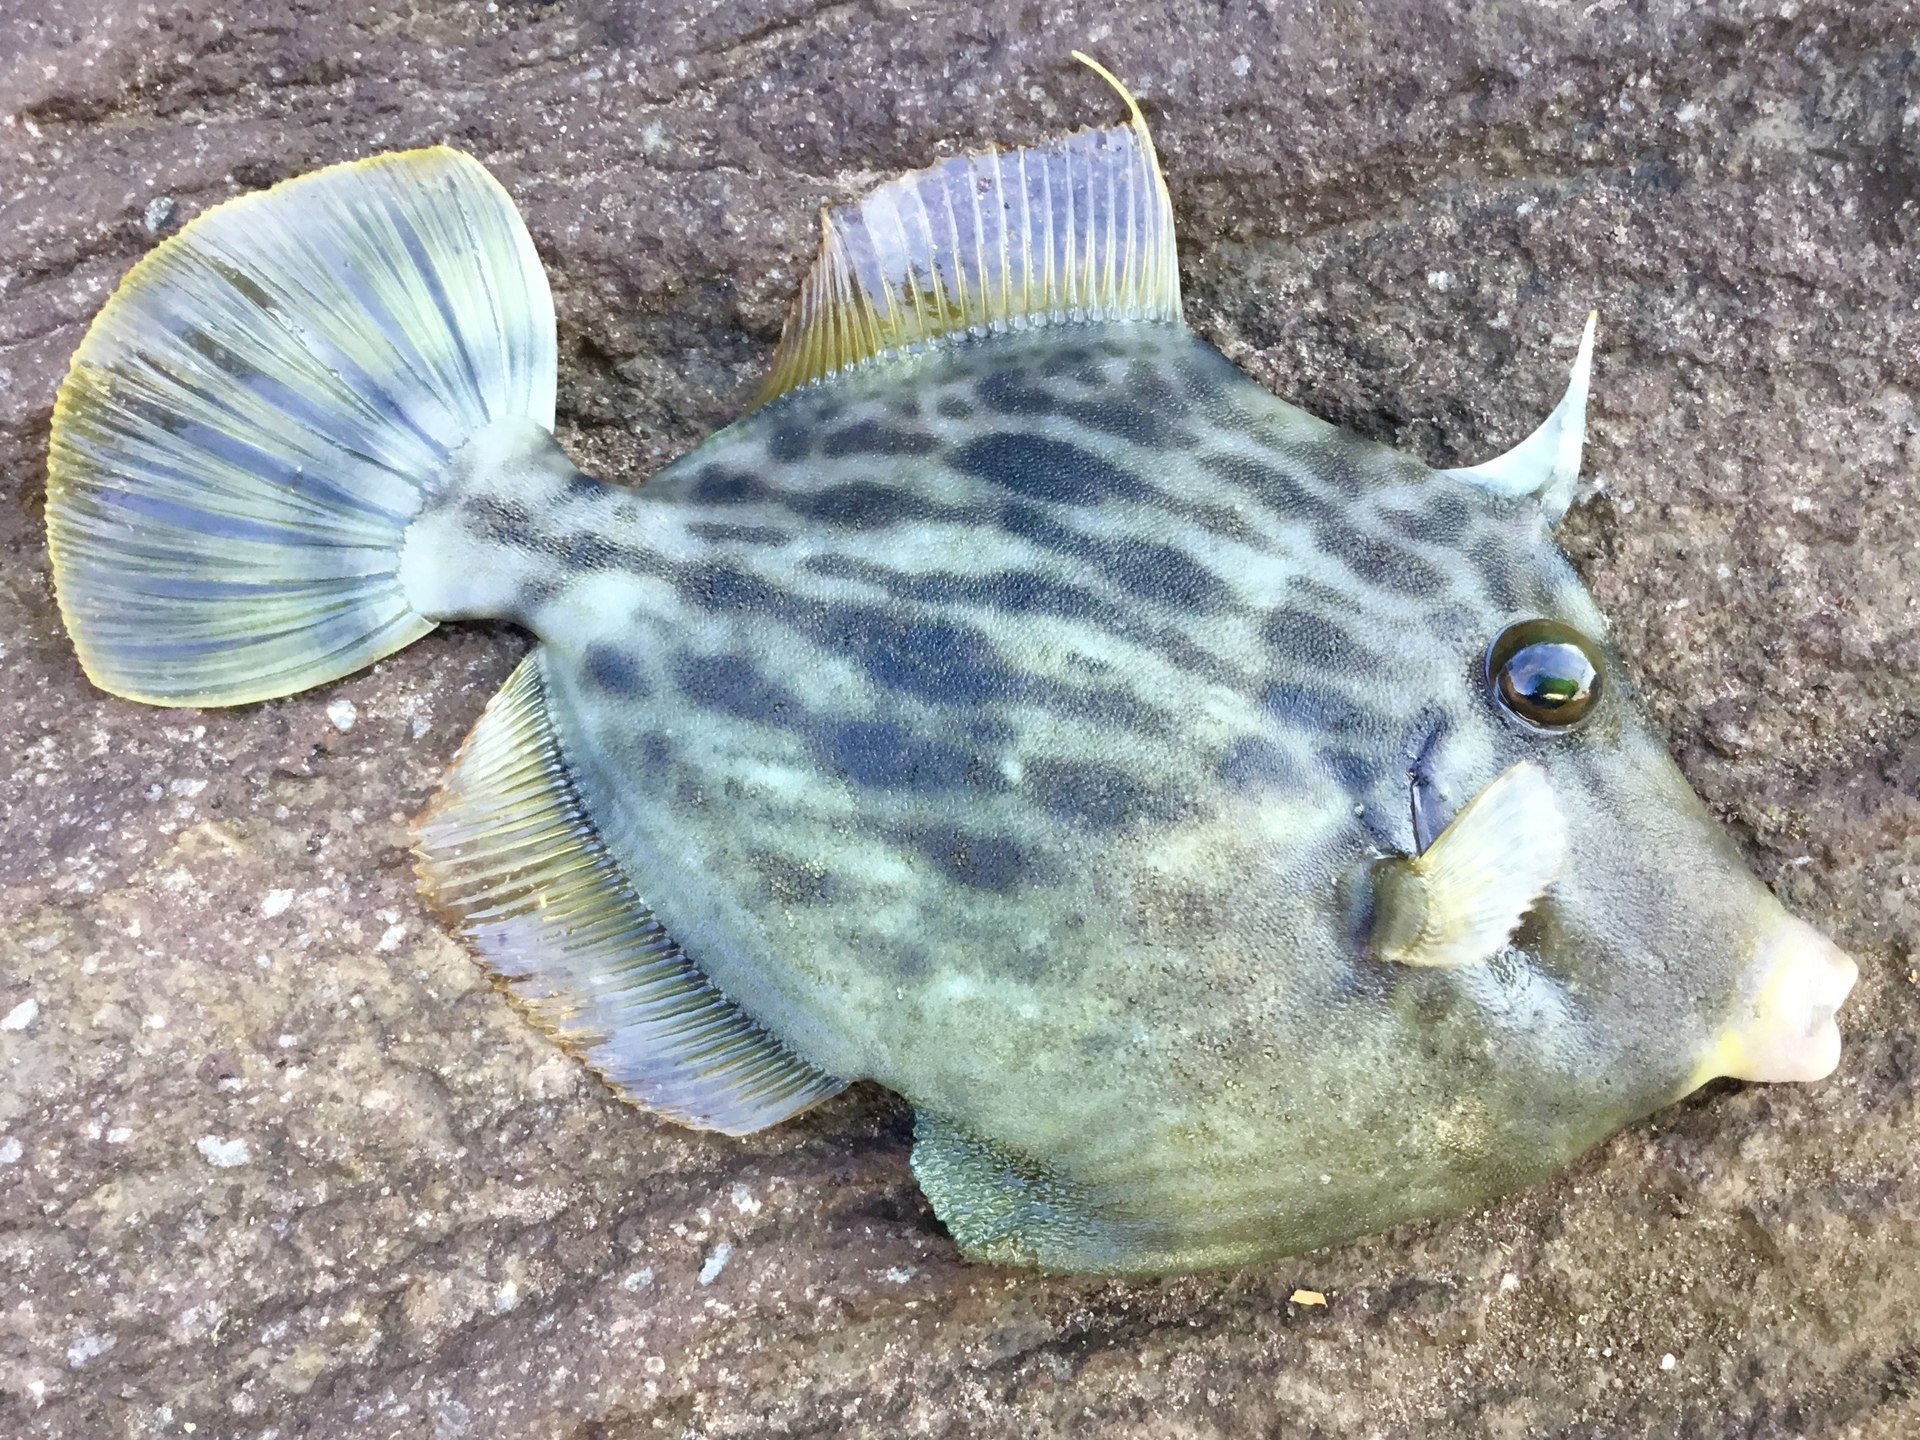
[{"x": 275, "y": 1162}]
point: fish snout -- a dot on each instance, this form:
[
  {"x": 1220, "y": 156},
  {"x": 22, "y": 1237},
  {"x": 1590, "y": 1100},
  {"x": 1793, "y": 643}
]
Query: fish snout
[{"x": 1784, "y": 1029}]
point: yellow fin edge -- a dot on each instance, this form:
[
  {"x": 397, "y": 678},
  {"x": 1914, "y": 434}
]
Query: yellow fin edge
[{"x": 1073, "y": 230}]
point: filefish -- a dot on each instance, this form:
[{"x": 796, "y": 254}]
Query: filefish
[{"x": 1230, "y": 835}]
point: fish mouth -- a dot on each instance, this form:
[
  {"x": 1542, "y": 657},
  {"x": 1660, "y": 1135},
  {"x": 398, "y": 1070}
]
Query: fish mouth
[{"x": 1784, "y": 1028}]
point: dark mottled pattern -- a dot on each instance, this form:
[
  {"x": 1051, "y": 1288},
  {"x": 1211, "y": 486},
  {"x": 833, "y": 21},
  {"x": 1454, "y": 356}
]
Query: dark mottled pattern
[{"x": 1031, "y": 688}]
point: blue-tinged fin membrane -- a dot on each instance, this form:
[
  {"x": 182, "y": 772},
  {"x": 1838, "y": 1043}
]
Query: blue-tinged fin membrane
[
  {"x": 511, "y": 860},
  {"x": 261, "y": 408},
  {"x": 1075, "y": 230}
]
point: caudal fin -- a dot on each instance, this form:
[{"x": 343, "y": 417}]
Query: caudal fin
[{"x": 262, "y": 407}]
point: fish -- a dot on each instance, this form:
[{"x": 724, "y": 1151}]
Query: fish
[{"x": 1230, "y": 835}]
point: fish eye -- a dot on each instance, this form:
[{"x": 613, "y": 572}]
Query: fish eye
[{"x": 1545, "y": 674}]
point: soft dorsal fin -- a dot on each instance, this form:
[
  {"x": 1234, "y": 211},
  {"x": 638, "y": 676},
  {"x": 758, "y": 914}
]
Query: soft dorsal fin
[
  {"x": 1459, "y": 900},
  {"x": 1078, "y": 229},
  {"x": 511, "y": 859}
]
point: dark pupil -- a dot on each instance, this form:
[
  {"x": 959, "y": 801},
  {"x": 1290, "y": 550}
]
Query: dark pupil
[{"x": 1545, "y": 673}]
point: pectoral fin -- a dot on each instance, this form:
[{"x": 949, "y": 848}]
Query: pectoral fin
[{"x": 1460, "y": 900}]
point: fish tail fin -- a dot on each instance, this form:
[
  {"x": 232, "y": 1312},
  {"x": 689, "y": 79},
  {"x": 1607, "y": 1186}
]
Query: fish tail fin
[{"x": 262, "y": 407}]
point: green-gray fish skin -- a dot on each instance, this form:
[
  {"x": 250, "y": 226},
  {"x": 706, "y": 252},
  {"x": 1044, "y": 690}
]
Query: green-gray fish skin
[
  {"x": 1230, "y": 835},
  {"x": 1015, "y": 726}
]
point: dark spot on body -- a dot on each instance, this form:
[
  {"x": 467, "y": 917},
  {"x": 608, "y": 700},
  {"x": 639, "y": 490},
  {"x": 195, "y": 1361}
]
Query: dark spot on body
[
  {"x": 1454, "y": 623},
  {"x": 1313, "y": 640},
  {"x": 718, "y": 485},
  {"x": 938, "y": 660},
  {"x": 1146, "y": 568},
  {"x": 504, "y": 522},
  {"x": 954, "y": 407},
  {"x": 1095, "y": 795},
  {"x": 1136, "y": 424},
  {"x": 886, "y": 755},
  {"x": 1037, "y": 468},
  {"x": 1338, "y": 462},
  {"x": 1490, "y": 557},
  {"x": 1381, "y": 563},
  {"x": 1148, "y": 388},
  {"x": 1441, "y": 519},
  {"x": 1255, "y": 763},
  {"x": 1355, "y": 772},
  {"x": 980, "y": 862},
  {"x": 1283, "y": 494},
  {"x": 616, "y": 671},
  {"x": 792, "y": 881},
  {"x": 722, "y": 533},
  {"x": 788, "y": 443},
  {"x": 588, "y": 552},
  {"x": 656, "y": 751},
  {"x": 1310, "y": 708},
  {"x": 581, "y": 486},
  {"x": 535, "y": 594},
  {"x": 734, "y": 685},
  {"x": 1205, "y": 375},
  {"x": 862, "y": 505},
  {"x": 722, "y": 587},
  {"x": 870, "y": 437},
  {"x": 1009, "y": 392}
]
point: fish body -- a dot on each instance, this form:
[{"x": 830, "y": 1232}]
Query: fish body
[{"x": 1038, "y": 717}]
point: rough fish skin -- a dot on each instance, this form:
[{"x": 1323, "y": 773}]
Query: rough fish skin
[
  {"x": 1022, "y": 709},
  {"x": 1011, "y": 726}
]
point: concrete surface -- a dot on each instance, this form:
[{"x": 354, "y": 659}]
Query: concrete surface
[{"x": 276, "y": 1162}]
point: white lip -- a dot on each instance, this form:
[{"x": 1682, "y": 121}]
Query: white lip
[{"x": 1785, "y": 1030}]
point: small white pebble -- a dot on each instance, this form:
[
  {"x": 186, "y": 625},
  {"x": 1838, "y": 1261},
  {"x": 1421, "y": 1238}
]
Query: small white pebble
[
  {"x": 1242, "y": 64},
  {"x": 1440, "y": 279},
  {"x": 10, "y": 1151},
  {"x": 276, "y": 903},
  {"x": 390, "y": 938},
  {"x": 900, "y": 1274},
  {"x": 1667, "y": 1362},
  {"x": 342, "y": 713},
  {"x": 21, "y": 1016},
  {"x": 639, "y": 1279},
  {"x": 743, "y": 1201},
  {"x": 223, "y": 1154},
  {"x": 506, "y": 1297},
  {"x": 119, "y": 1135},
  {"x": 1509, "y": 1281},
  {"x": 716, "y": 1262},
  {"x": 287, "y": 1042},
  {"x": 85, "y": 1347}
]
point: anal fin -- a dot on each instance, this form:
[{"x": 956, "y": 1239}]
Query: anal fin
[{"x": 510, "y": 858}]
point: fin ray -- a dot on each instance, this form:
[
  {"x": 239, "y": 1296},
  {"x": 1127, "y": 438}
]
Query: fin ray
[
  {"x": 509, "y": 857},
  {"x": 267, "y": 398},
  {"x": 1460, "y": 899},
  {"x": 1076, "y": 229}
]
